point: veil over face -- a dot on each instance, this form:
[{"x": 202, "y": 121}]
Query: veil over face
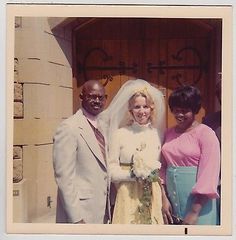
[{"x": 114, "y": 116}]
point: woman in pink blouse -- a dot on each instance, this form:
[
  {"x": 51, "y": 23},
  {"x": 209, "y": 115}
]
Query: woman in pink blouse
[{"x": 191, "y": 163}]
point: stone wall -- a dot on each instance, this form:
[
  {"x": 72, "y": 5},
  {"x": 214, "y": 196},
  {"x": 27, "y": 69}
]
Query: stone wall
[
  {"x": 17, "y": 164},
  {"x": 42, "y": 99}
]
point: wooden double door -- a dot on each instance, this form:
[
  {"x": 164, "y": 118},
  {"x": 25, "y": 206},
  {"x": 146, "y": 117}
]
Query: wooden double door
[{"x": 166, "y": 52}]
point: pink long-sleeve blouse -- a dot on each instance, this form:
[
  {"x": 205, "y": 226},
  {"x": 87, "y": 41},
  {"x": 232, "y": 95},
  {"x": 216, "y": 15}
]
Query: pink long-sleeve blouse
[{"x": 197, "y": 147}]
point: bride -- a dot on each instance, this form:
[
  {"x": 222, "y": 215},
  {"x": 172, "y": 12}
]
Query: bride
[{"x": 134, "y": 123}]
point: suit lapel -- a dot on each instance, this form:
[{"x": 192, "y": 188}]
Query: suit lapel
[{"x": 88, "y": 135}]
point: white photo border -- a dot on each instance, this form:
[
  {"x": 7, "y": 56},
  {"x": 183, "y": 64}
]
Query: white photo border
[{"x": 224, "y": 12}]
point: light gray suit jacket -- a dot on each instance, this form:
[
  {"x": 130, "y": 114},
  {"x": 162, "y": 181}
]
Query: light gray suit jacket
[{"x": 80, "y": 172}]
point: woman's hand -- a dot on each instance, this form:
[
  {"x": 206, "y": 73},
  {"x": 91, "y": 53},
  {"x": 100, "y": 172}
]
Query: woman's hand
[
  {"x": 166, "y": 210},
  {"x": 191, "y": 218},
  {"x": 166, "y": 206},
  {"x": 80, "y": 222}
]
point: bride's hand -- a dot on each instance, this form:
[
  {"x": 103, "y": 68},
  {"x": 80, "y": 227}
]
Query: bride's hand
[{"x": 166, "y": 210}]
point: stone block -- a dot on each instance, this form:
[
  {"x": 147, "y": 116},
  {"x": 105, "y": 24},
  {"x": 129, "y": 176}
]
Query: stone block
[
  {"x": 20, "y": 204},
  {"x": 35, "y": 43},
  {"x": 18, "y": 92},
  {"x": 41, "y": 71},
  {"x": 64, "y": 76},
  {"x": 47, "y": 28},
  {"x": 38, "y": 169},
  {"x": 30, "y": 173},
  {"x": 59, "y": 50},
  {"x": 59, "y": 75},
  {"x": 17, "y": 170},
  {"x": 32, "y": 70},
  {"x": 34, "y": 131},
  {"x": 16, "y": 70},
  {"x": 47, "y": 102},
  {"x": 18, "y": 22},
  {"x": 18, "y": 110},
  {"x": 34, "y": 22},
  {"x": 30, "y": 43},
  {"x": 16, "y": 76},
  {"x": 45, "y": 173},
  {"x": 35, "y": 40},
  {"x": 17, "y": 152}
]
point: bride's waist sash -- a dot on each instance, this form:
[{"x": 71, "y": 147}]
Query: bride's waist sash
[{"x": 125, "y": 166}]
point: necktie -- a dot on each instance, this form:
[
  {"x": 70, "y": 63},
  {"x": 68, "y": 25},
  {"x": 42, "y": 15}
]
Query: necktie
[{"x": 100, "y": 139}]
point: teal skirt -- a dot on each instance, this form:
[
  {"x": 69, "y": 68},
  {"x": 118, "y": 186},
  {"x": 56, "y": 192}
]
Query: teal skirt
[{"x": 179, "y": 184}]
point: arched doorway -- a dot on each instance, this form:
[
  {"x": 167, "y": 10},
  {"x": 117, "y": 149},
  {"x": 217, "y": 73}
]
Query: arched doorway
[{"x": 165, "y": 52}]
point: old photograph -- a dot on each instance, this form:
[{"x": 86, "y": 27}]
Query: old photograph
[{"x": 119, "y": 116}]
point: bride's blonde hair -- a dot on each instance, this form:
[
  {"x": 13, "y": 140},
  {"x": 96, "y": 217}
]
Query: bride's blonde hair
[
  {"x": 128, "y": 120},
  {"x": 118, "y": 115}
]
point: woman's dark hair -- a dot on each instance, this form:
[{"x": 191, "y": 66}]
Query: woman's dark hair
[{"x": 185, "y": 97}]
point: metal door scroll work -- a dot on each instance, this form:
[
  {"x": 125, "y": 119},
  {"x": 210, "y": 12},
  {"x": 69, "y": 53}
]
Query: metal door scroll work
[
  {"x": 162, "y": 66},
  {"x": 121, "y": 67}
]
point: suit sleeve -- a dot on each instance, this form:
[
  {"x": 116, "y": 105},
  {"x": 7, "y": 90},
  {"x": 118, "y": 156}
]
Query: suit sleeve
[{"x": 64, "y": 162}]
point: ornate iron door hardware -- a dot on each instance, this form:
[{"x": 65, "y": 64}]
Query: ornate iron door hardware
[
  {"x": 162, "y": 66},
  {"x": 121, "y": 67}
]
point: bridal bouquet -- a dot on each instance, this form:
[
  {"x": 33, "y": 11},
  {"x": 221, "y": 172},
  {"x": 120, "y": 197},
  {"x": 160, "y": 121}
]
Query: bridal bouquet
[
  {"x": 144, "y": 165},
  {"x": 145, "y": 168}
]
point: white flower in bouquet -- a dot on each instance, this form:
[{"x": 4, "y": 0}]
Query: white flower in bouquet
[{"x": 144, "y": 162}]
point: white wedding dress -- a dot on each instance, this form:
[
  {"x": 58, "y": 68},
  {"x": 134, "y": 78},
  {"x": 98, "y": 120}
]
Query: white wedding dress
[{"x": 124, "y": 143}]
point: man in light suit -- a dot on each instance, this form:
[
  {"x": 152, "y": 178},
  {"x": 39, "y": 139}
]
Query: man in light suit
[{"x": 79, "y": 162}]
